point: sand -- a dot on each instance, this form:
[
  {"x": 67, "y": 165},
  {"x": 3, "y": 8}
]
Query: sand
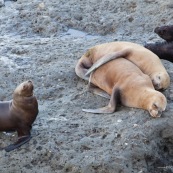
[{"x": 42, "y": 41}]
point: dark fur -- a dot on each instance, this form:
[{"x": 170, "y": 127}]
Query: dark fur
[
  {"x": 165, "y": 32},
  {"x": 162, "y": 50}
]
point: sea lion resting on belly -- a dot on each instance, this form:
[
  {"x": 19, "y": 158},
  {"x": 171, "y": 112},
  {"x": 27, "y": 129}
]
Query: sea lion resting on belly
[
  {"x": 129, "y": 84},
  {"x": 164, "y": 50},
  {"x": 19, "y": 114},
  {"x": 146, "y": 60}
]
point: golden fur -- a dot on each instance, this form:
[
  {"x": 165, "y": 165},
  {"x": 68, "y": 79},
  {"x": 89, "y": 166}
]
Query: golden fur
[
  {"x": 130, "y": 84},
  {"x": 146, "y": 60}
]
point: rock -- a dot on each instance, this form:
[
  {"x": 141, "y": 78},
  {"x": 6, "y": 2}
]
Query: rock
[
  {"x": 42, "y": 41},
  {"x": 2, "y": 3}
]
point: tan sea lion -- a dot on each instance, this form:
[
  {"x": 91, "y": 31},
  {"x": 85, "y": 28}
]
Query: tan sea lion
[
  {"x": 146, "y": 60},
  {"x": 19, "y": 114},
  {"x": 128, "y": 84}
]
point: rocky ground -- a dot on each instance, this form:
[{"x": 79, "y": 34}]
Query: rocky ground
[{"x": 42, "y": 41}]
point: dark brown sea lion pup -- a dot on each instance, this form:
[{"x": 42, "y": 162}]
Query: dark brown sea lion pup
[
  {"x": 162, "y": 50},
  {"x": 146, "y": 60},
  {"x": 19, "y": 114},
  {"x": 124, "y": 81},
  {"x": 165, "y": 32}
]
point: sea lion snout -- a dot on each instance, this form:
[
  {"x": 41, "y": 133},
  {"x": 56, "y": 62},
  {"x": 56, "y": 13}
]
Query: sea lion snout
[
  {"x": 25, "y": 89},
  {"x": 29, "y": 81},
  {"x": 158, "y": 105},
  {"x": 165, "y": 32},
  {"x": 156, "y": 113},
  {"x": 160, "y": 81},
  {"x": 160, "y": 31}
]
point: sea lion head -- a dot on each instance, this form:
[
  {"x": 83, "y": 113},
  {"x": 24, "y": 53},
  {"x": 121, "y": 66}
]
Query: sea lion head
[
  {"x": 161, "y": 80},
  {"x": 25, "y": 89},
  {"x": 165, "y": 32},
  {"x": 157, "y": 104}
]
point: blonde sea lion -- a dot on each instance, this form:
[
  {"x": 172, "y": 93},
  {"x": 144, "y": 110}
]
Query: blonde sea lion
[
  {"x": 146, "y": 60},
  {"x": 128, "y": 84},
  {"x": 19, "y": 114}
]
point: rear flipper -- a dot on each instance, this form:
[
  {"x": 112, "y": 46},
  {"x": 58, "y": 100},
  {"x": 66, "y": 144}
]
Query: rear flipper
[
  {"x": 100, "y": 92},
  {"x": 94, "y": 89},
  {"x": 107, "y": 58},
  {"x": 111, "y": 107},
  {"x": 20, "y": 142}
]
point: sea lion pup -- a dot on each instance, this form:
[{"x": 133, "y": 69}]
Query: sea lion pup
[
  {"x": 19, "y": 114},
  {"x": 146, "y": 60},
  {"x": 165, "y": 32},
  {"x": 162, "y": 50},
  {"x": 128, "y": 84}
]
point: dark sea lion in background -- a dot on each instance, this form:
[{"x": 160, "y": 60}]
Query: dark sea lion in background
[
  {"x": 163, "y": 50},
  {"x": 146, "y": 60},
  {"x": 165, "y": 32},
  {"x": 19, "y": 114},
  {"x": 124, "y": 81}
]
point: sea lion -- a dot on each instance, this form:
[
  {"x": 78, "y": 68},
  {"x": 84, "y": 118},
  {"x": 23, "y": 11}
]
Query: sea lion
[
  {"x": 162, "y": 50},
  {"x": 146, "y": 60},
  {"x": 19, "y": 114},
  {"x": 165, "y": 32},
  {"x": 128, "y": 84}
]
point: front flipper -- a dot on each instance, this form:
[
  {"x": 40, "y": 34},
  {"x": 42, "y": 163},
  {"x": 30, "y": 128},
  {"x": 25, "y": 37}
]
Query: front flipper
[
  {"x": 94, "y": 89},
  {"x": 111, "y": 106},
  {"x": 101, "y": 93},
  {"x": 107, "y": 58},
  {"x": 20, "y": 142}
]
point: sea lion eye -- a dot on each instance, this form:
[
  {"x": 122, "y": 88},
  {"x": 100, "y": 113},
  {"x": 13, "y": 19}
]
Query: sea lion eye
[
  {"x": 155, "y": 106},
  {"x": 162, "y": 31},
  {"x": 159, "y": 77}
]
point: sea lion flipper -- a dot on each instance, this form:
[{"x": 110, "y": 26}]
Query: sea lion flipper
[
  {"x": 107, "y": 58},
  {"x": 101, "y": 93},
  {"x": 20, "y": 142},
  {"x": 94, "y": 89},
  {"x": 111, "y": 107}
]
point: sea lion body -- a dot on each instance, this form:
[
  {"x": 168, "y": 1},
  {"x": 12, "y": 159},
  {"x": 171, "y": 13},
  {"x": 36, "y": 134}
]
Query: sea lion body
[
  {"x": 146, "y": 60},
  {"x": 129, "y": 84},
  {"x": 19, "y": 113},
  {"x": 162, "y": 50}
]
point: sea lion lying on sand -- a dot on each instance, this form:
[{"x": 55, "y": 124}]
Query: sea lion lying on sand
[
  {"x": 163, "y": 50},
  {"x": 19, "y": 114},
  {"x": 146, "y": 60},
  {"x": 124, "y": 81}
]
